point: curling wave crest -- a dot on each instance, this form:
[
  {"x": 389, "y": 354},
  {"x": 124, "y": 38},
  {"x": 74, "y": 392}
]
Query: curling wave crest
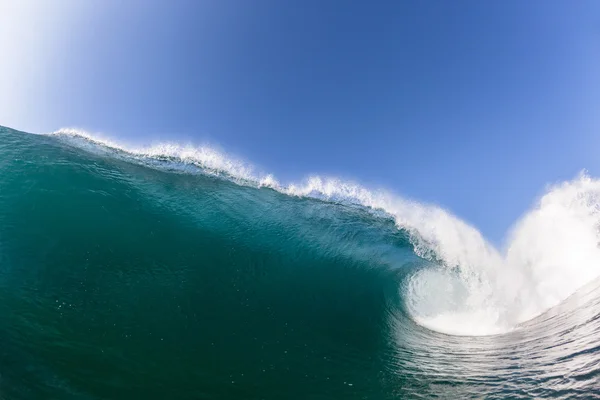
[{"x": 469, "y": 287}]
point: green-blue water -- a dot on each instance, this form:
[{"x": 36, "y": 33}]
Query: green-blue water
[{"x": 145, "y": 278}]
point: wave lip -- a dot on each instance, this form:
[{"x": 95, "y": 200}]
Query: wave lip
[
  {"x": 473, "y": 289},
  {"x": 171, "y": 156}
]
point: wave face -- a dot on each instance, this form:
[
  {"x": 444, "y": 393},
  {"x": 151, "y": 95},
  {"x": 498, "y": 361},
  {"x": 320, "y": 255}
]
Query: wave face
[{"x": 178, "y": 272}]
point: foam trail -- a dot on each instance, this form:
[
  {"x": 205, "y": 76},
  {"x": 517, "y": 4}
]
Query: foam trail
[{"x": 472, "y": 289}]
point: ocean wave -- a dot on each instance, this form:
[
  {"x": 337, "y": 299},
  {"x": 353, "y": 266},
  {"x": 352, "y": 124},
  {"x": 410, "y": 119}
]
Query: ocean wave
[
  {"x": 181, "y": 272},
  {"x": 470, "y": 288}
]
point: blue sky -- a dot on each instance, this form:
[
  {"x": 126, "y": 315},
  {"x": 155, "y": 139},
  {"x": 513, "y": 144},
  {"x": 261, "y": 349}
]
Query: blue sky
[{"x": 475, "y": 106}]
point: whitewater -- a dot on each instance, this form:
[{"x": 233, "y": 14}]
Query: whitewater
[{"x": 178, "y": 271}]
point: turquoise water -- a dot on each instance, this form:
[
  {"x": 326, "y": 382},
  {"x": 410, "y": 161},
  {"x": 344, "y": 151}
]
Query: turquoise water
[{"x": 164, "y": 274}]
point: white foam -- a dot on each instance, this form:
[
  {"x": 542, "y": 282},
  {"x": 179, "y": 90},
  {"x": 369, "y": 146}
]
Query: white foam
[{"x": 476, "y": 290}]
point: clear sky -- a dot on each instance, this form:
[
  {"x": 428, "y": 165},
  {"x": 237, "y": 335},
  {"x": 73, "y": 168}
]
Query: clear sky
[{"x": 473, "y": 105}]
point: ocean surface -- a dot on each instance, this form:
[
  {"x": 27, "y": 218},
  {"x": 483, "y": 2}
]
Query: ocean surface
[{"x": 177, "y": 272}]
